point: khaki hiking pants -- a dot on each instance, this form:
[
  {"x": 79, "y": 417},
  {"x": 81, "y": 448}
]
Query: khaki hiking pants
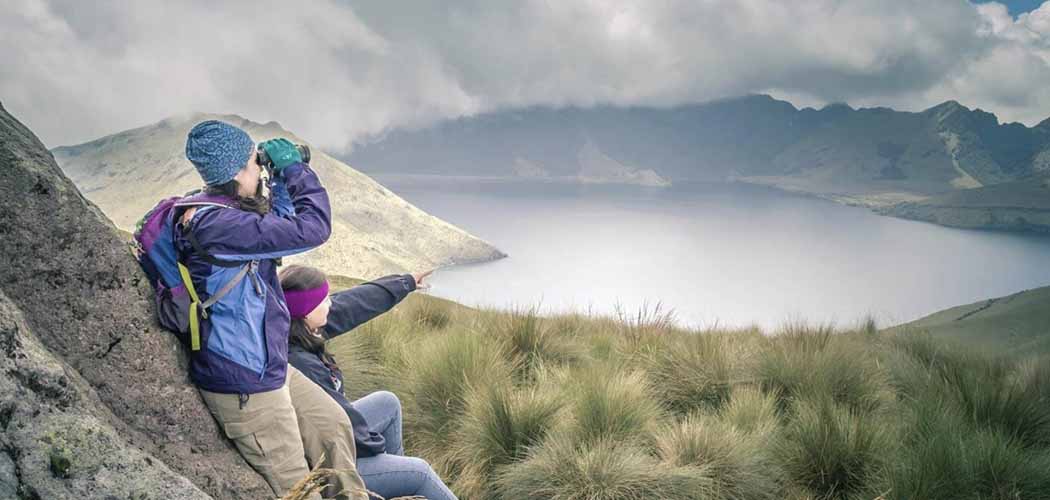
[{"x": 285, "y": 432}]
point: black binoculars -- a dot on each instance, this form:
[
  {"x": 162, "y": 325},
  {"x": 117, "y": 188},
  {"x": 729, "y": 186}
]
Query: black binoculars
[{"x": 264, "y": 160}]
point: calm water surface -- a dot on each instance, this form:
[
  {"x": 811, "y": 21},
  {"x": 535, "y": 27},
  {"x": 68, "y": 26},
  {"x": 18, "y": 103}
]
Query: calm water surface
[{"x": 717, "y": 254}]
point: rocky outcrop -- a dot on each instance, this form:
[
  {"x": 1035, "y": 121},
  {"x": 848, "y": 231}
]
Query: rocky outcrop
[
  {"x": 56, "y": 435},
  {"x": 85, "y": 366}
]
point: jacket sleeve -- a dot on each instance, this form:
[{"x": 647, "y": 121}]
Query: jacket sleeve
[
  {"x": 238, "y": 235},
  {"x": 280, "y": 200},
  {"x": 354, "y": 306}
]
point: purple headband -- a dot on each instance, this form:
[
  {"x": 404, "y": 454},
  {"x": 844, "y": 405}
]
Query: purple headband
[{"x": 301, "y": 302}]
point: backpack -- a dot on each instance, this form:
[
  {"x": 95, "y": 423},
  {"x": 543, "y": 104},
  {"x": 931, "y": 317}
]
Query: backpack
[{"x": 179, "y": 309}]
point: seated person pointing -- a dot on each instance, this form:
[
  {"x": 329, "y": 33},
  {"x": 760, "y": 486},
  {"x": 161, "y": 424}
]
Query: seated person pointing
[{"x": 376, "y": 418}]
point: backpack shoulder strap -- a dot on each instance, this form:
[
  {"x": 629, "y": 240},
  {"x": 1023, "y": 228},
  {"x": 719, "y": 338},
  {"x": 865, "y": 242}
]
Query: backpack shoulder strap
[
  {"x": 188, "y": 234},
  {"x": 196, "y": 304}
]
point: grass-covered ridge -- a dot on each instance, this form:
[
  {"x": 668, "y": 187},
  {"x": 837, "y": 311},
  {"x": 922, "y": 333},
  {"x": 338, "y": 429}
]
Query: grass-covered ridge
[
  {"x": 1017, "y": 325},
  {"x": 512, "y": 405}
]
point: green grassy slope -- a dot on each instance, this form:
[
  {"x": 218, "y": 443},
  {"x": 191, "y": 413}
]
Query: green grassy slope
[
  {"x": 513, "y": 405},
  {"x": 1017, "y": 324}
]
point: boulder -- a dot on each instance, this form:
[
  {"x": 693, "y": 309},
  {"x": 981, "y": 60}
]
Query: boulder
[{"x": 56, "y": 434}]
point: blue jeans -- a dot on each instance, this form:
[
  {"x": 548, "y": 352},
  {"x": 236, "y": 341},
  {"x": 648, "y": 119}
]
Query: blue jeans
[{"x": 390, "y": 474}]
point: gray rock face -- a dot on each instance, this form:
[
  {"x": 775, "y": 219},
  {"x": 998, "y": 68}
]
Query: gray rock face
[
  {"x": 80, "y": 292},
  {"x": 9, "y": 482},
  {"x": 57, "y": 440}
]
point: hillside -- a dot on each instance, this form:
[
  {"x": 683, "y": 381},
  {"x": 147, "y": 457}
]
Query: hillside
[
  {"x": 875, "y": 157},
  {"x": 1016, "y": 325},
  {"x": 373, "y": 230}
]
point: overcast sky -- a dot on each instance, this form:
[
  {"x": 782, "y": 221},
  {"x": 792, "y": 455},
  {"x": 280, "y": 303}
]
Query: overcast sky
[{"x": 335, "y": 71}]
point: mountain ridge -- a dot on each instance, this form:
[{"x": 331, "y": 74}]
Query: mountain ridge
[{"x": 874, "y": 157}]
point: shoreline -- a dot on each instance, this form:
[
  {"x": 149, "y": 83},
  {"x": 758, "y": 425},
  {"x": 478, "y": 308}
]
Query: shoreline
[
  {"x": 909, "y": 206},
  {"x": 902, "y": 205}
]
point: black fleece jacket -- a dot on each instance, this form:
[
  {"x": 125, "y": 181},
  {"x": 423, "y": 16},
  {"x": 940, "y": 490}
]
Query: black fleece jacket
[{"x": 351, "y": 308}]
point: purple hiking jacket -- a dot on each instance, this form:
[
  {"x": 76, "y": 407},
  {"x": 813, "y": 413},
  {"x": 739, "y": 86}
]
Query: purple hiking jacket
[{"x": 244, "y": 340}]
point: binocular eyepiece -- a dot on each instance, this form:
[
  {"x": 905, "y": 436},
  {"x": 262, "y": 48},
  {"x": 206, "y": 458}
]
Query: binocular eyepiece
[{"x": 264, "y": 160}]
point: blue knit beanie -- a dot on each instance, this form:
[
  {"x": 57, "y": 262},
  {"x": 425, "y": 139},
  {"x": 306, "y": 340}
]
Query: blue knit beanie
[{"x": 218, "y": 150}]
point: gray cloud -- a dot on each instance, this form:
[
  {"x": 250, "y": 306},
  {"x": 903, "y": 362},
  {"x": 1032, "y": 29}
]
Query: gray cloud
[{"x": 339, "y": 71}]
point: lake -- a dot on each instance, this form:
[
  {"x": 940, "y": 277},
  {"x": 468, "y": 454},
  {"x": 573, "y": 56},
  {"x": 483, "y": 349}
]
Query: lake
[{"x": 717, "y": 254}]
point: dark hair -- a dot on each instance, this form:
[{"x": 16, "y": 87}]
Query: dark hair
[
  {"x": 256, "y": 203},
  {"x": 296, "y": 277}
]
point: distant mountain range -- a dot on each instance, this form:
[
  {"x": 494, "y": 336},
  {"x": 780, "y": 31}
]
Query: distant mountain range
[
  {"x": 908, "y": 164},
  {"x": 374, "y": 231}
]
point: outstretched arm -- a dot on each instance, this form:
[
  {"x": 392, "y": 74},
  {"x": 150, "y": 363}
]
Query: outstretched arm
[{"x": 354, "y": 306}]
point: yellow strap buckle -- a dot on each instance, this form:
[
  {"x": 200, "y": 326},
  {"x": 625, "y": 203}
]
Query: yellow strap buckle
[{"x": 195, "y": 328}]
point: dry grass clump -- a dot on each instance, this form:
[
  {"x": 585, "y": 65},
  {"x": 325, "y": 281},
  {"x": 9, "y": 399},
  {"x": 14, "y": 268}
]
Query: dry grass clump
[
  {"x": 834, "y": 451},
  {"x": 647, "y": 321},
  {"x": 437, "y": 378},
  {"x": 601, "y": 470},
  {"x": 741, "y": 465},
  {"x": 804, "y": 361},
  {"x": 532, "y": 341},
  {"x": 610, "y": 404},
  {"x": 751, "y": 411},
  {"x": 993, "y": 393},
  {"x": 313, "y": 483},
  {"x": 698, "y": 371},
  {"x": 500, "y": 426},
  {"x": 945, "y": 456},
  {"x": 432, "y": 314}
]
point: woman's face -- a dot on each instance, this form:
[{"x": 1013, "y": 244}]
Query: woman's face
[
  {"x": 319, "y": 316},
  {"x": 248, "y": 177}
]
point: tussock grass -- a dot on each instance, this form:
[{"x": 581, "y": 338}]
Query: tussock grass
[
  {"x": 740, "y": 464},
  {"x": 436, "y": 382},
  {"x": 834, "y": 451},
  {"x": 517, "y": 405},
  {"x": 947, "y": 457},
  {"x": 698, "y": 371},
  {"x": 647, "y": 322},
  {"x": 812, "y": 362},
  {"x": 499, "y": 428},
  {"x": 868, "y": 326},
  {"x": 609, "y": 404},
  {"x": 432, "y": 315},
  {"x": 751, "y": 411},
  {"x": 992, "y": 392},
  {"x": 602, "y": 470},
  {"x": 570, "y": 325},
  {"x": 532, "y": 341}
]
